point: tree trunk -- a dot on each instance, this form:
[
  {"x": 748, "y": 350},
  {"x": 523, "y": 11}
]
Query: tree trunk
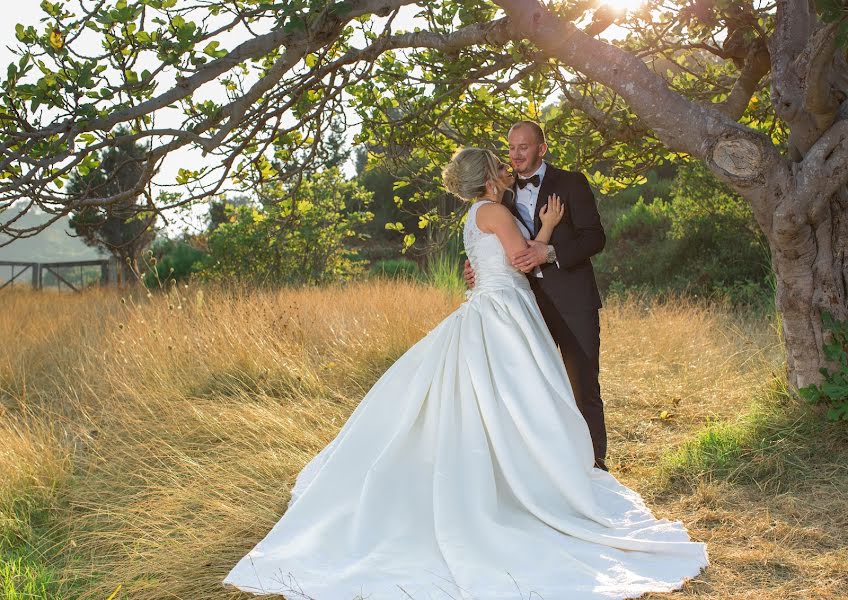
[
  {"x": 811, "y": 276},
  {"x": 126, "y": 277}
]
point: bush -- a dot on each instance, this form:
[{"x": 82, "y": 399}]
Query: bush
[
  {"x": 638, "y": 252},
  {"x": 299, "y": 235},
  {"x": 174, "y": 260},
  {"x": 703, "y": 240}
]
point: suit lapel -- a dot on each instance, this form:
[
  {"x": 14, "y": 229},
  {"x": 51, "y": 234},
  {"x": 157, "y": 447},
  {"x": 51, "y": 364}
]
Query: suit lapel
[
  {"x": 548, "y": 186},
  {"x": 512, "y": 205}
]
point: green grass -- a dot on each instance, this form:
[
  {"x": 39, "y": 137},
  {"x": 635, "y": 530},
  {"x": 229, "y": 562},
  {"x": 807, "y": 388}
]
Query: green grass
[
  {"x": 24, "y": 571},
  {"x": 31, "y": 482},
  {"x": 445, "y": 272},
  {"x": 26, "y": 578},
  {"x": 775, "y": 444},
  {"x": 397, "y": 268}
]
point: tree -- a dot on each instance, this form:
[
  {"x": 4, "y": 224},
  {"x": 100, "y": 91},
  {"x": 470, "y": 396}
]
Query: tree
[
  {"x": 219, "y": 210},
  {"x": 695, "y": 237},
  {"x": 297, "y": 234},
  {"x": 123, "y": 228},
  {"x": 688, "y": 79}
]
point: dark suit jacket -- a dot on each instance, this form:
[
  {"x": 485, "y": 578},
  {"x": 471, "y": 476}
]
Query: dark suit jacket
[{"x": 580, "y": 235}]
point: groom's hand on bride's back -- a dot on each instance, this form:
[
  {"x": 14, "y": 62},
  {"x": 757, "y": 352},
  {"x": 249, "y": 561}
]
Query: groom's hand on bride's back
[{"x": 468, "y": 274}]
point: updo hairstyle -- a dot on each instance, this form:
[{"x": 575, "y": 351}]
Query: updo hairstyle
[{"x": 468, "y": 171}]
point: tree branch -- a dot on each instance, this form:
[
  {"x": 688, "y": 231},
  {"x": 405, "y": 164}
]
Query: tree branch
[
  {"x": 679, "y": 123},
  {"x": 818, "y": 100},
  {"x": 607, "y": 125},
  {"x": 27, "y": 177},
  {"x": 757, "y": 64},
  {"x": 793, "y": 24},
  {"x": 824, "y": 169},
  {"x": 602, "y": 19}
]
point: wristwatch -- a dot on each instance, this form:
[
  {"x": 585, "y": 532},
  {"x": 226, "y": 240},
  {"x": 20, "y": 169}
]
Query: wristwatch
[{"x": 550, "y": 257}]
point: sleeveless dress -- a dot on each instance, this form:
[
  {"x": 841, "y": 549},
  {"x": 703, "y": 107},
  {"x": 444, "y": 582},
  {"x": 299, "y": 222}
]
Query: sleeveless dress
[{"x": 466, "y": 472}]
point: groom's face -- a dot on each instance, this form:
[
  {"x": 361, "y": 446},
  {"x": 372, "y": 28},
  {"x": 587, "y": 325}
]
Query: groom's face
[{"x": 525, "y": 150}]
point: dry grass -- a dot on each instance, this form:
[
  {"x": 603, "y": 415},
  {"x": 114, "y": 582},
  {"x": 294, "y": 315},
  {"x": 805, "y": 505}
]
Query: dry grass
[{"x": 160, "y": 436}]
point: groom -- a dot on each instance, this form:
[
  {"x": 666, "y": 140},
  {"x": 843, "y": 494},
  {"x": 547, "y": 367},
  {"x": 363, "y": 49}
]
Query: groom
[{"x": 561, "y": 274}]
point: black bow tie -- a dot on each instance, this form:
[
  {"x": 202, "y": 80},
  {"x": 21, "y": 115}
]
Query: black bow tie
[{"x": 534, "y": 181}]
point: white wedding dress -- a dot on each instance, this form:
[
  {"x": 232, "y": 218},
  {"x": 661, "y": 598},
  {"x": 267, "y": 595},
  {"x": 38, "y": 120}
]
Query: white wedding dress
[{"x": 466, "y": 472}]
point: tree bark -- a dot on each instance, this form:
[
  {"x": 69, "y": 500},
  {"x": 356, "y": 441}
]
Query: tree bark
[{"x": 810, "y": 273}]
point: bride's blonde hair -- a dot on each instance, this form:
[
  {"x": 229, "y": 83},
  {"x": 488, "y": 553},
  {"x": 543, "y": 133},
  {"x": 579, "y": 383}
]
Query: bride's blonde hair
[{"x": 468, "y": 171}]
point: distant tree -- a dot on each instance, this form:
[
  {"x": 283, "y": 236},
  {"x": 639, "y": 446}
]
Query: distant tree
[
  {"x": 296, "y": 234},
  {"x": 221, "y": 209},
  {"x": 335, "y": 151},
  {"x": 176, "y": 259},
  {"x": 123, "y": 228},
  {"x": 697, "y": 237}
]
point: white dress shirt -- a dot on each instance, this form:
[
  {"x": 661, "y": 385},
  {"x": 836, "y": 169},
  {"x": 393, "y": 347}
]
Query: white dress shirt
[
  {"x": 526, "y": 198},
  {"x": 525, "y": 203}
]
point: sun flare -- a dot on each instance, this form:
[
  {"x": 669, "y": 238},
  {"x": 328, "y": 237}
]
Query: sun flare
[{"x": 622, "y": 5}]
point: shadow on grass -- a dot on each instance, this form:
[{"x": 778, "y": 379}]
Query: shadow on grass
[{"x": 778, "y": 444}]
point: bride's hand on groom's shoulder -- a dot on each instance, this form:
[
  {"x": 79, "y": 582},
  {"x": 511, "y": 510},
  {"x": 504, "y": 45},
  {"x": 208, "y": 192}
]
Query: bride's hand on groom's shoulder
[{"x": 468, "y": 274}]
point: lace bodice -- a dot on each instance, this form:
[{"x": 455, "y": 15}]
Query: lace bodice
[{"x": 492, "y": 268}]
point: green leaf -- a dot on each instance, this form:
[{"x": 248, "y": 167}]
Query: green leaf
[
  {"x": 408, "y": 240},
  {"x": 294, "y": 24},
  {"x": 830, "y": 10},
  {"x": 211, "y": 49},
  {"x": 810, "y": 393},
  {"x": 185, "y": 175},
  {"x": 341, "y": 9},
  {"x": 54, "y": 9},
  {"x": 835, "y": 391}
]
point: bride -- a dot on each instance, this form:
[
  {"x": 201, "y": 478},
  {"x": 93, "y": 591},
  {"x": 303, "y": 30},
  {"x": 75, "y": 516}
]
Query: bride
[{"x": 466, "y": 472}]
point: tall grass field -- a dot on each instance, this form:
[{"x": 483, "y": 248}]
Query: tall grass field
[{"x": 147, "y": 442}]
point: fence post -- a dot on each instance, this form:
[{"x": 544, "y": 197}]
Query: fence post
[{"x": 36, "y": 276}]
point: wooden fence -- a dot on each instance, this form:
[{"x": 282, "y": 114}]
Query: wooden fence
[{"x": 108, "y": 272}]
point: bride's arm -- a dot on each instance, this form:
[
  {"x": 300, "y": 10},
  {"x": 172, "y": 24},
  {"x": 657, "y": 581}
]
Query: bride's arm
[{"x": 496, "y": 218}]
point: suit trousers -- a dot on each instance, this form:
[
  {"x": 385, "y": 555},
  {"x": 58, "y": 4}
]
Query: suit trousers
[{"x": 578, "y": 335}]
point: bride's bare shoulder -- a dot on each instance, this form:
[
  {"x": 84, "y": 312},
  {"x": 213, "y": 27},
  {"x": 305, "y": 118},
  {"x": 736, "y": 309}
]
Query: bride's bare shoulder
[{"x": 491, "y": 216}]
